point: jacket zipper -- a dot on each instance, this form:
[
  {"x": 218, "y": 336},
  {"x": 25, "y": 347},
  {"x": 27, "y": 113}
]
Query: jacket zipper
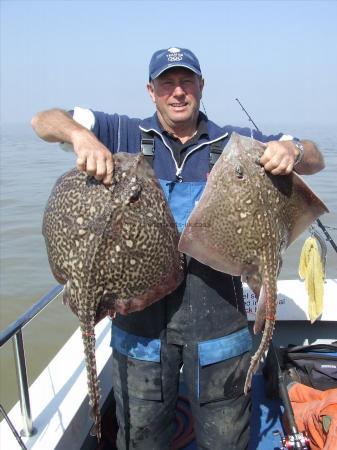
[{"x": 180, "y": 169}]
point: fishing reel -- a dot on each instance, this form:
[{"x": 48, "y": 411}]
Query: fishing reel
[{"x": 294, "y": 441}]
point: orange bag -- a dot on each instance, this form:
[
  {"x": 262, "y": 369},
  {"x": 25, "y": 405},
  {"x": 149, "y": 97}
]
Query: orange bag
[{"x": 315, "y": 413}]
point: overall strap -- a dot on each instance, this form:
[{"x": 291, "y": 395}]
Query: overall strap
[
  {"x": 215, "y": 152},
  {"x": 147, "y": 146}
]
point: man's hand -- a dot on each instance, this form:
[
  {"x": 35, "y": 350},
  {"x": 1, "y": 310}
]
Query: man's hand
[
  {"x": 92, "y": 156},
  {"x": 279, "y": 157}
]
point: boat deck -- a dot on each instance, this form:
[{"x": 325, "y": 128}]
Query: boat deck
[{"x": 59, "y": 402}]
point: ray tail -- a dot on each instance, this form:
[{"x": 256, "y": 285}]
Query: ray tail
[
  {"x": 88, "y": 336},
  {"x": 270, "y": 291}
]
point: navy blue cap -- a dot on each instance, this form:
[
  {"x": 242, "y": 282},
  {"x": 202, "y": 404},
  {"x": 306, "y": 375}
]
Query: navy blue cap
[{"x": 173, "y": 57}]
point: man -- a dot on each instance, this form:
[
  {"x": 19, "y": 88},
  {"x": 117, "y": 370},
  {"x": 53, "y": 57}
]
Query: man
[{"x": 206, "y": 313}]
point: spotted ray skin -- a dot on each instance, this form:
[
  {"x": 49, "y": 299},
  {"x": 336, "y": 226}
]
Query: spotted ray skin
[
  {"x": 115, "y": 248},
  {"x": 244, "y": 221}
]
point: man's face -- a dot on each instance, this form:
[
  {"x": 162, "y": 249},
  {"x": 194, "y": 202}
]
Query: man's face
[{"x": 177, "y": 93}]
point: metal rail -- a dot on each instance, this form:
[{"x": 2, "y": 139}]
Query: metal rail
[
  {"x": 14, "y": 332},
  {"x": 13, "y": 430}
]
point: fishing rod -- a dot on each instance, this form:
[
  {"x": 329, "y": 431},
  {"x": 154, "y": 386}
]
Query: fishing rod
[
  {"x": 249, "y": 118},
  {"x": 327, "y": 235},
  {"x": 319, "y": 223},
  {"x": 294, "y": 439}
]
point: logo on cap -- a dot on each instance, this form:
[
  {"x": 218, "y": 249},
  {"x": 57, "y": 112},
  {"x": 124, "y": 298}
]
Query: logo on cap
[{"x": 174, "y": 54}]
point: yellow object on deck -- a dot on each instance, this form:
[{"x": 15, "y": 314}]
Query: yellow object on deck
[{"x": 311, "y": 270}]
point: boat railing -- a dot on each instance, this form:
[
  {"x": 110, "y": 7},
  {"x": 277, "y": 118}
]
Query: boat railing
[{"x": 14, "y": 332}]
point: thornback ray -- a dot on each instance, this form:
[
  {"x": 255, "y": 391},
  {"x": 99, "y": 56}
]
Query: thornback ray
[
  {"x": 245, "y": 219},
  {"x": 115, "y": 248}
]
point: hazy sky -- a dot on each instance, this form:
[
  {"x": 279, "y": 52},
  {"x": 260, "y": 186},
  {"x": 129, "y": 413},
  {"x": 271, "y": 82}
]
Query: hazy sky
[{"x": 278, "y": 57}]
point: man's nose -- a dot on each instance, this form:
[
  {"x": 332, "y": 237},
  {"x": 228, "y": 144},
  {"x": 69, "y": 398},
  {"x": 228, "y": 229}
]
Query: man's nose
[{"x": 178, "y": 90}]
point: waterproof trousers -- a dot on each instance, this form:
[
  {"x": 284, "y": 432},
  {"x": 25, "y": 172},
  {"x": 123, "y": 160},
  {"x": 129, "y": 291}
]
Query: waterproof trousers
[
  {"x": 146, "y": 394},
  {"x": 201, "y": 327}
]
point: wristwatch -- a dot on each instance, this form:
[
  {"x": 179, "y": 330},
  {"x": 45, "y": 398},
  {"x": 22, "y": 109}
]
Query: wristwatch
[{"x": 298, "y": 144}]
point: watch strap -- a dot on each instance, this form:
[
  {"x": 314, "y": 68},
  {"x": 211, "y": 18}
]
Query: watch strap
[{"x": 298, "y": 144}]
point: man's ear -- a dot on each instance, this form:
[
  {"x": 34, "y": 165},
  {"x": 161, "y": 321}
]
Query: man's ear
[{"x": 150, "y": 90}]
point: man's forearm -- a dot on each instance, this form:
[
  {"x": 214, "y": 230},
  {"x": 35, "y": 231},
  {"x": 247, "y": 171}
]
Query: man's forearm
[
  {"x": 93, "y": 157},
  {"x": 312, "y": 160},
  {"x": 56, "y": 125}
]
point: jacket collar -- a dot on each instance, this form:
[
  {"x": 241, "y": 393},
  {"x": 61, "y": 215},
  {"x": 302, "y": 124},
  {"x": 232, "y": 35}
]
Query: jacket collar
[{"x": 152, "y": 124}]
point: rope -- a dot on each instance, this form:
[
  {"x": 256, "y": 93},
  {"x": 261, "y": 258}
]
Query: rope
[{"x": 184, "y": 434}]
